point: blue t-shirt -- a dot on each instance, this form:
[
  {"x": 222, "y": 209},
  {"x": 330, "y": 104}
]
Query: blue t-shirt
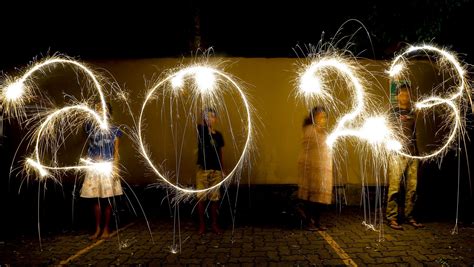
[{"x": 101, "y": 143}]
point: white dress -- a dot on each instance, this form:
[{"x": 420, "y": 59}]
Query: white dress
[
  {"x": 101, "y": 182},
  {"x": 100, "y": 185}
]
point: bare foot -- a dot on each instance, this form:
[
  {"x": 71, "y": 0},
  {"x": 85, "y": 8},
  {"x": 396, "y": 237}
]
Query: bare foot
[
  {"x": 202, "y": 229},
  {"x": 105, "y": 234},
  {"x": 394, "y": 225},
  {"x": 415, "y": 224},
  {"x": 322, "y": 228},
  {"x": 95, "y": 235},
  {"x": 312, "y": 227},
  {"x": 216, "y": 229}
]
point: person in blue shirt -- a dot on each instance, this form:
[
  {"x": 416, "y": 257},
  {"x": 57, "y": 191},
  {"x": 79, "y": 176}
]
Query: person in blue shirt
[{"x": 103, "y": 149}]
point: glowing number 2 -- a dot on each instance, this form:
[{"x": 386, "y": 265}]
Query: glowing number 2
[
  {"x": 19, "y": 89},
  {"x": 312, "y": 86}
]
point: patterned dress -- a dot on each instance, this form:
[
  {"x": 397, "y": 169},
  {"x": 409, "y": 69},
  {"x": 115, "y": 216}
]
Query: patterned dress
[
  {"x": 101, "y": 150},
  {"x": 315, "y": 167}
]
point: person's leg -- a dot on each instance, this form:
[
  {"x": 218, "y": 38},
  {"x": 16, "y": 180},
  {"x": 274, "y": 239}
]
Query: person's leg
[
  {"x": 301, "y": 212},
  {"x": 313, "y": 217},
  {"x": 201, "y": 214},
  {"x": 214, "y": 196},
  {"x": 308, "y": 219},
  {"x": 98, "y": 215},
  {"x": 108, "y": 211},
  {"x": 316, "y": 214},
  {"x": 201, "y": 183},
  {"x": 215, "y": 214},
  {"x": 410, "y": 198},
  {"x": 395, "y": 172}
]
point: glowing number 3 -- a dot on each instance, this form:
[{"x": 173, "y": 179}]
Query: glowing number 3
[{"x": 396, "y": 69}]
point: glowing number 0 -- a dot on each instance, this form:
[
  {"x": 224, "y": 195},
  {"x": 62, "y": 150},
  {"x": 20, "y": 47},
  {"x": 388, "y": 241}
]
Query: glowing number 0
[{"x": 205, "y": 81}]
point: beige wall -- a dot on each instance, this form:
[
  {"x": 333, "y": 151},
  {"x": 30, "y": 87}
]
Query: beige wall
[{"x": 269, "y": 84}]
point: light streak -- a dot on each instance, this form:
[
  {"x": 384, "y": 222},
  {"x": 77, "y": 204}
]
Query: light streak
[
  {"x": 376, "y": 129},
  {"x": 313, "y": 85},
  {"x": 205, "y": 80},
  {"x": 19, "y": 91},
  {"x": 397, "y": 68}
]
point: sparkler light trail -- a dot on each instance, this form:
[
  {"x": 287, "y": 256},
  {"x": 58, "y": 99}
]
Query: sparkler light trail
[
  {"x": 207, "y": 84},
  {"x": 447, "y": 61},
  {"x": 319, "y": 81},
  {"x": 314, "y": 86},
  {"x": 365, "y": 122},
  {"x": 54, "y": 123},
  {"x": 376, "y": 129},
  {"x": 52, "y": 129},
  {"x": 16, "y": 92},
  {"x": 19, "y": 91}
]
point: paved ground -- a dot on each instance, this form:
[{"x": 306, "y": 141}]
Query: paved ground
[{"x": 347, "y": 242}]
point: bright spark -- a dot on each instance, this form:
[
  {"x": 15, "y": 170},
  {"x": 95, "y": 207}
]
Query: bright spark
[
  {"x": 42, "y": 172},
  {"x": 102, "y": 168},
  {"x": 395, "y": 70},
  {"x": 375, "y": 130},
  {"x": 310, "y": 85},
  {"x": 14, "y": 91},
  {"x": 205, "y": 78}
]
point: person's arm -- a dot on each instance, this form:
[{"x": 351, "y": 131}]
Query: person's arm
[
  {"x": 87, "y": 128},
  {"x": 116, "y": 152},
  {"x": 415, "y": 139},
  {"x": 394, "y": 117},
  {"x": 221, "y": 155},
  {"x": 200, "y": 135},
  {"x": 221, "y": 160},
  {"x": 307, "y": 139},
  {"x": 118, "y": 133}
]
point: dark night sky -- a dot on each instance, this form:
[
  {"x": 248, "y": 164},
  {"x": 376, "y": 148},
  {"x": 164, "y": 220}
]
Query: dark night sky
[{"x": 234, "y": 28}]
